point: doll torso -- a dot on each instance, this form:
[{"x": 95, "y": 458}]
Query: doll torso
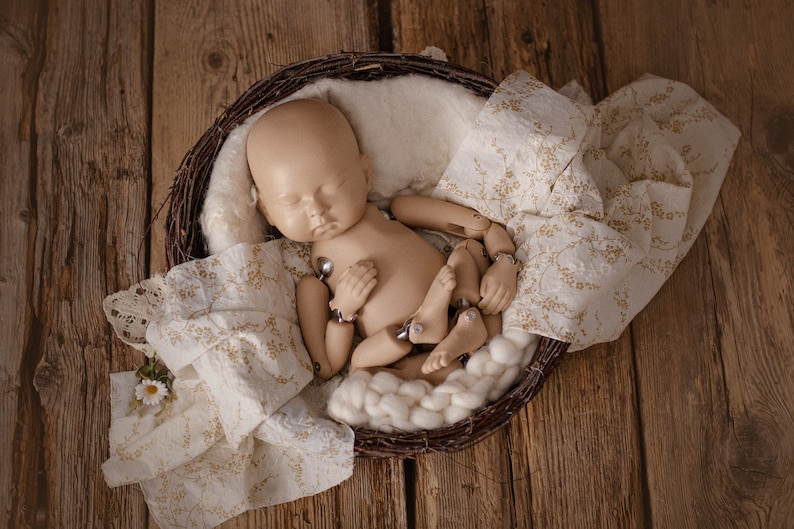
[{"x": 406, "y": 265}]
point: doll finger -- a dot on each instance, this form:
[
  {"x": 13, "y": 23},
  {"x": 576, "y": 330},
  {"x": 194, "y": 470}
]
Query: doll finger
[
  {"x": 506, "y": 298},
  {"x": 486, "y": 306},
  {"x": 489, "y": 294},
  {"x": 494, "y": 302},
  {"x": 365, "y": 284},
  {"x": 366, "y": 287},
  {"x": 355, "y": 272},
  {"x": 363, "y": 276},
  {"x": 362, "y": 268}
]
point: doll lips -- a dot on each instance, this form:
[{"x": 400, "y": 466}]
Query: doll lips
[{"x": 322, "y": 228}]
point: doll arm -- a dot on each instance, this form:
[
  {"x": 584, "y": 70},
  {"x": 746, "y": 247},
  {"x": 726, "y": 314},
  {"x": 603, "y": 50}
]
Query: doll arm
[
  {"x": 327, "y": 335},
  {"x": 328, "y": 343},
  {"x": 434, "y": 214},
  {"x": 313, "y": 316},
  {"x": 498, "y": 285}
]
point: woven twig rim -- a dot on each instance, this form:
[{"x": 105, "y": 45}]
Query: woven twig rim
[{"x": 184, "y": 239}]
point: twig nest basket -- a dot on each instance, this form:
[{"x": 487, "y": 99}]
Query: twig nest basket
[{"x": 186, "y": 241}]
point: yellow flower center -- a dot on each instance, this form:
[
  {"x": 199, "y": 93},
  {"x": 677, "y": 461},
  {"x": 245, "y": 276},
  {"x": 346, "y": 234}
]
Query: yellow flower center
[{"x": 151, "y": 390}]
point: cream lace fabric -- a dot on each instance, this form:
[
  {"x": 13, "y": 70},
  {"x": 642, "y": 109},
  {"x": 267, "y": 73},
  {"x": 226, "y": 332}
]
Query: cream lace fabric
[
  {"x": 247, "y": 428},
  {"x": 130, "y": 311},
  {"x": 602, "y": 201}
]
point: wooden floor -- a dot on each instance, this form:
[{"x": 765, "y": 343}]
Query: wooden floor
[{"x": 686, "y": 421}]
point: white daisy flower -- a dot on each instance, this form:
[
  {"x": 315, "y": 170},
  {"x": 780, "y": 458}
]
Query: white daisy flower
[{"x": 151, "y": 392}]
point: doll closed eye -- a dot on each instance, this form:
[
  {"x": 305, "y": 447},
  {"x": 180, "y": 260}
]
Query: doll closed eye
[{"x": 286, "y": 200}]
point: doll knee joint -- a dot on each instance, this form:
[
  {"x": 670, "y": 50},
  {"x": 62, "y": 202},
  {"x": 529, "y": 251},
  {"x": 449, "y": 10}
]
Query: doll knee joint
[{"x": 403, "y": 333}]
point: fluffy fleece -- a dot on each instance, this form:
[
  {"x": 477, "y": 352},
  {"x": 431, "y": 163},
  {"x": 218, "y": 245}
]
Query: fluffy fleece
[{"x": 386, "y": 403}]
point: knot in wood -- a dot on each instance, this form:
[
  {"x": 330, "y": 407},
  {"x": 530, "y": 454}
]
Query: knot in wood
[
  {"x": 46, "y": 381},
  {"x": 68, "y": 130},
  {"x": 754, "y": 455},
  {"x": 215, "y": 60},
  {"x": 780, "y": 138}
]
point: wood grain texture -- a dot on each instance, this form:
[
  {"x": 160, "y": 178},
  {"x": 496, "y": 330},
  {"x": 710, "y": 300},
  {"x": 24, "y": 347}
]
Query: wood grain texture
[
  {"x": 479, "y": 494},
  {"x": 713, "y": 349},
  {"x": 554, "y": 41},
  {"x": 20, "y": 428},
  {"x": 87, "y": 210},
  {"x": 579, "y": 439},
  {"x": 458, "y": 28}
]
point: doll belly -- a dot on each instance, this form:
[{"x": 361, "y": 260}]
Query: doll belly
[{"x": 399, "y": 294}]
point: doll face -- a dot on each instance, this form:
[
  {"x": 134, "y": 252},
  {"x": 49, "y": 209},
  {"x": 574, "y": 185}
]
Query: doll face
[{"x": 311, "y": 179}]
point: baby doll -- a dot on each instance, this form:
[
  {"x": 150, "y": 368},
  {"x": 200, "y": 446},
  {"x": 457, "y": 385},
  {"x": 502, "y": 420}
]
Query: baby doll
[{"x": 375, "y": 273}]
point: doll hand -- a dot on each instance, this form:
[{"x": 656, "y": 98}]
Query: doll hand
[
  {"x": 498, "y": 287},
  {"x": 354, "y": 287}
]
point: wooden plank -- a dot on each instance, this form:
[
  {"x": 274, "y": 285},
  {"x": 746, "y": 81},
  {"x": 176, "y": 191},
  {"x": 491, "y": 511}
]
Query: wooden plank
[
  {"x": 373, "y": 498},
  {"x": 554, "y": 41},
  {"x": 458, "y": 28},
  {"x": 713, "y": 349},
  {"x": 21, "y": 41},
  {"x": 86, "y": 84},
  {"x": 217, "y": 53},
  {"x": 467, "y": 489},
  {"x": 582, "y": 432},
  {"x": 579, "y": 439}
]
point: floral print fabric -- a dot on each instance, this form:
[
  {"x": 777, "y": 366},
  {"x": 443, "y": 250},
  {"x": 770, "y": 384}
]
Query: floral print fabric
[
  {"x": 602, "y": 201},
  {"x": 246, "y": 428}
]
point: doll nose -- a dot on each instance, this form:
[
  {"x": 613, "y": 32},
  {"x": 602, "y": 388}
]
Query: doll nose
[{"x": 317, "y": 208}]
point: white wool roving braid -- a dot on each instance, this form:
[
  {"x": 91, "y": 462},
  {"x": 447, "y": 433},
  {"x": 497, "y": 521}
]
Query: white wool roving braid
[{"x": 386, "y": 403}]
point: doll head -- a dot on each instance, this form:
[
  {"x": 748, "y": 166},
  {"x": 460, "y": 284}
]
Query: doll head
[{"x": 312, "y": 182}]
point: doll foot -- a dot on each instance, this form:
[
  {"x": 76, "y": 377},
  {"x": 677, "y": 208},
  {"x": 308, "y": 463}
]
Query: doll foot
[
  {"x": 430, "y": 323},
  {"x": 468, "y": 334}
]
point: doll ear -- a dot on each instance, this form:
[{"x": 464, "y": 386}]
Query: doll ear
[
  {"x": 366, "y": 166},
  {"x": 260, "y": 205}
]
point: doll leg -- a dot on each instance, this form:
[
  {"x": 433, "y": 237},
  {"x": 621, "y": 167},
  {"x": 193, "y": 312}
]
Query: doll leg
[
  {"x": 410, "y": 368},
  {"x": 429, "y": 324},
  {"x": 471, "y": 329},
  {"x": 470, "y": 261},
  {"x": 468, "y": 334},
  {"x": 493, "y": 323},
  {"x": 380, "y": 349},
  {"x": 457, "y": 282}
]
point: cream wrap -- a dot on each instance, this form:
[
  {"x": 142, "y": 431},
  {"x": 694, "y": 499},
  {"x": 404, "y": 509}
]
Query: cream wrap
[{"x": 602, "y": 201}]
